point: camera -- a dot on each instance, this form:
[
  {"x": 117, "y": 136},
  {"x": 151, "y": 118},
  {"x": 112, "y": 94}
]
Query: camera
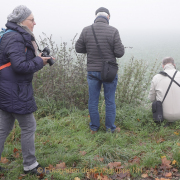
[{"x": 45, "y": 53}]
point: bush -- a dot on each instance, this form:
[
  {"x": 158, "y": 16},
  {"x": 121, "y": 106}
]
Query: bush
[
  {"x": 64, "y": 84},
  {"x": 134, "y": 82}
]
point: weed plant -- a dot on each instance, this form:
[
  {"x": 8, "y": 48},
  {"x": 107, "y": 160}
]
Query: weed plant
[
  {"x": 134, "y": 82},
  {"x": 64, "y": 84}
]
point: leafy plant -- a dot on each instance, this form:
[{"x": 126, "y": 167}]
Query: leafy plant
[
  {"x": 134, "y": 82},
  {"x": 64, "y": 84}
]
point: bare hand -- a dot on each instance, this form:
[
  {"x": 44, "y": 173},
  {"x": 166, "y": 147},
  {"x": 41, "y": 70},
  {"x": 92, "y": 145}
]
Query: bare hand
[{"x": 45, "y": 59}]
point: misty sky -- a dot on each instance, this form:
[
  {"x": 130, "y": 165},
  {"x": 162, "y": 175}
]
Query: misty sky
[
  {"x": 65, "y": 18},
  {"x": 150, "y": 26}
]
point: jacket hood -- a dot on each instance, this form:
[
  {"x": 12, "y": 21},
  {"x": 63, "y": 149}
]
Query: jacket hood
[{"x": 25, "y": 34}]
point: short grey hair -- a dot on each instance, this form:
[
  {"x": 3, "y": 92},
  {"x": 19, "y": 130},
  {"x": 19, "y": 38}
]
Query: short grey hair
[
  {"x": 168, "y": 60},
  {"x": 102, "y": 14}
]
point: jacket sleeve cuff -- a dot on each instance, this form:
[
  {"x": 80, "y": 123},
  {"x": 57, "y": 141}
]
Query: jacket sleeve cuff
[{"x": 38, "y": 63}]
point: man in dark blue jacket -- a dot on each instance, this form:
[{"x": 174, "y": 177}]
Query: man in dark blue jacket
[
  {"x": 111, "y": 47},
  {"x": 19, "y": 60}
]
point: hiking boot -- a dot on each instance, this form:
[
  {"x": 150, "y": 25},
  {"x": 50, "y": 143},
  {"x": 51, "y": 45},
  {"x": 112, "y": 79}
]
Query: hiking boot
[
  {"x": 37, "y": 171},
  {"x": 93, "y": 132}
]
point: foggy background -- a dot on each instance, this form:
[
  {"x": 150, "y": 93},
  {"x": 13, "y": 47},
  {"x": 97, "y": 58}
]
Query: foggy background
[{"x": 151, "y": 27}]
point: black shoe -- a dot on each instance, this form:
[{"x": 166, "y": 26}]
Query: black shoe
[{"x": 38, "y": 170}]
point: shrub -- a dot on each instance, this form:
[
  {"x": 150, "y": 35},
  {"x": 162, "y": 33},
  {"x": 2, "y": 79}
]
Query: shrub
[
  {"x": 134, "y": 82},
  {"x": 65, "y": 82},
  {"x": 65, "y": 86}
]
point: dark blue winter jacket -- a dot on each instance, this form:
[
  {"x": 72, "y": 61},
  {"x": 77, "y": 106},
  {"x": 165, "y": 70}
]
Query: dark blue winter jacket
[{"x": 16, "y": 91}]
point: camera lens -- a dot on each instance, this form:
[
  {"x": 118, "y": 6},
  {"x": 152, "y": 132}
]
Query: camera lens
[
  {"x": 50, "y": 61},
  {"x": 45, "y": 53}
]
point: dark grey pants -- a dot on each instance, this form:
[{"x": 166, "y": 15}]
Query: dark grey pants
[{"x": 27, "y": 124}]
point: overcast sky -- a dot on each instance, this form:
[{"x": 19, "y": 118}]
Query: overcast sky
[{"x": 64, "y": 18}]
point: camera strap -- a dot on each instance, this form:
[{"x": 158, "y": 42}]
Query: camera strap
[{"x": 33, "y": 39}]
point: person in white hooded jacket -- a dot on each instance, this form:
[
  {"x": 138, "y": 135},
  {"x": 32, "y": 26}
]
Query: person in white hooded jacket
[{"x": 159, "y": 85}]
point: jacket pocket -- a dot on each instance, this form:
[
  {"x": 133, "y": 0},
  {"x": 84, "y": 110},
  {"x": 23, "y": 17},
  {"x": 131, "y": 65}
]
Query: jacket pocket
[{"x": 25, "y": 91}]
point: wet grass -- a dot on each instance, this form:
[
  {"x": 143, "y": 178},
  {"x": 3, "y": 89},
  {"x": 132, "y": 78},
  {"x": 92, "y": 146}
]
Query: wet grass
[{"x": 64, "y": 138}]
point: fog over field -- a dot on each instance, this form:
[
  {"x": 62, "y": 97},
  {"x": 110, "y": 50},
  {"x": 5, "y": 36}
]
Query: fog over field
[{"x": 151, "y": 27}]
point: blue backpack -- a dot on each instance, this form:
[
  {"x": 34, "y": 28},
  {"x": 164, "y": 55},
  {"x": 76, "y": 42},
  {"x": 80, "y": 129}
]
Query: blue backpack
[
  {"x": 1, "y": 35},
  {"x": 4, "y": 32}
]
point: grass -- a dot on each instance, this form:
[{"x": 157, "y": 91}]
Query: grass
[{"x": 64, "y": 138}]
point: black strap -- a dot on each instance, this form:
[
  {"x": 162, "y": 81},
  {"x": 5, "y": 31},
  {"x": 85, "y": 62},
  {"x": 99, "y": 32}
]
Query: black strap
[
  {"x": 99, "y": 49},
  {"x": 169, "y": 84},
  {"x": 165, "y": 74}
]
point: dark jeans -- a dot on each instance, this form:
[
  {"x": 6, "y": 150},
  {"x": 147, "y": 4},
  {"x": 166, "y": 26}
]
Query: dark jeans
[{"x": 94, "y": 84}]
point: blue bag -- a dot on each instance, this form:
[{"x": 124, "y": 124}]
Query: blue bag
[{"x": 4, "y": 32}]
